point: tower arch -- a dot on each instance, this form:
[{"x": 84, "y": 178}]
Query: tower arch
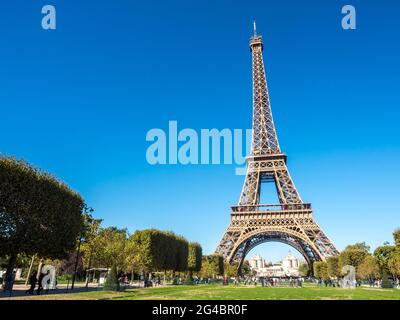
[{"x": 258, "y": 238}]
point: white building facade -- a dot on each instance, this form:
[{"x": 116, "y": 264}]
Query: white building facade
[{"x": 288, "y": 267}]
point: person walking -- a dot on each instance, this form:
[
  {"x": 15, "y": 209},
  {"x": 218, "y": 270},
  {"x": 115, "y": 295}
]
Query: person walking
[
  {"x": 40, "y": 285},
  {"x": 32, "y": 282}
]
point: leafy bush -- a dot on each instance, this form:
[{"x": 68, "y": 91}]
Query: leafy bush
[{"x": 112, "y": 282}]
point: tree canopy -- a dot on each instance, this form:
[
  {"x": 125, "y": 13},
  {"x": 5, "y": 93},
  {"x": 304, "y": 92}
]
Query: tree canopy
[
  {"x": 107, "y": 248},
  {"x": 383, "y": 255},
  {"x": 321, "y": 270},
  {"x": 194, "y": 257},
  {"x": 157, "y": 250},
  {"x": 38, "y": 213},
  {"x": 333, "y": 267},
  {"x": 396, "y": 236},
  {"x": 212, "y": 266},
  {"x": 353, "y": 255},
  {"x": 368, "y": 268},
  {"x": 304, "y": 269}
]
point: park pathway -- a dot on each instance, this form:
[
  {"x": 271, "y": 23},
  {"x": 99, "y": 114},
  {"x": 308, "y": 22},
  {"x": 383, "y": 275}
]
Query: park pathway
[{"x": 19, "y": 290}]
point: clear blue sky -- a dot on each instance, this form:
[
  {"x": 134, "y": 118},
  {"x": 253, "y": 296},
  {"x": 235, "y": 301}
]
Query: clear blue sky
[{"x": 79, "y": 100}]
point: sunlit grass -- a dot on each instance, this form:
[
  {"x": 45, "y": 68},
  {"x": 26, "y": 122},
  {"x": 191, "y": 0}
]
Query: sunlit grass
[{"x": 219, "y": 292}]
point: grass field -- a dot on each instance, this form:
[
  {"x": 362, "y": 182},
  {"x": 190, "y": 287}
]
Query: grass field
[{"x": 217, "y": 292}]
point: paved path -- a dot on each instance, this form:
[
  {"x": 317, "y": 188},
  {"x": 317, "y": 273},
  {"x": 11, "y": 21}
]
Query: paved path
[{"x": 19, "y": 290}]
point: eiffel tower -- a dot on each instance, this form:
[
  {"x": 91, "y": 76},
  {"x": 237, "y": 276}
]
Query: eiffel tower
[{"x": 291, "y": 221}]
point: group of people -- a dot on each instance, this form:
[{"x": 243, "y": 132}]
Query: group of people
[
  {"x": 154, "y": 281},
  {"x": 343, "y": 283},
  {"x": 265, "y": 281},
  {"x": 378, "y": 283},
  {"x": 33, "y": 279}
]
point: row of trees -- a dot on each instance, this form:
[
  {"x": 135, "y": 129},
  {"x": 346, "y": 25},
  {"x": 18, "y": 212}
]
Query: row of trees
[
  {"x": 154, "y": 250},
  {"x": 43, "y": 221},
  {"x": 383, "y": 262},
  {"x": 143, "y": 252}
]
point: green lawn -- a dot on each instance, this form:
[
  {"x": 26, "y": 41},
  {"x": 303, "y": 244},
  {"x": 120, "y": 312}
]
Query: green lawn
[{"x": 216, "y": 292}]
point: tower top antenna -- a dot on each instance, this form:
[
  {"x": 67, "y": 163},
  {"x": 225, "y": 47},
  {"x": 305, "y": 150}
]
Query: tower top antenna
[{"x": 255, "y": 27}]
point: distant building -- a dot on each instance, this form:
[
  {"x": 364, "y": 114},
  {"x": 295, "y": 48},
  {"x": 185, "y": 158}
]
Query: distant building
[
  {"x": 257, "y": 262},
  {"x": 290, "y": 263},
  {"x": 289, "y": 266}
]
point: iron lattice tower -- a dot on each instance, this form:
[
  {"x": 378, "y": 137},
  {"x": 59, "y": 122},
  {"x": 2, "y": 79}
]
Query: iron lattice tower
[{"x": 252, "y": 223}]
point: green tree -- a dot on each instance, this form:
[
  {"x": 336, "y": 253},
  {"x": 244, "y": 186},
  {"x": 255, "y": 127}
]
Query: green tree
[
  {"x": 194, "y": 258},
  {"x": 396, "y": 236},
  {"x": 181, "y": 254},
  {"x": 130, "y": 257},
  {"x": 304, "y": 270},
  {"x": 359, "y": 246},
  {"x": 3, "y": 262},
  {"x": 386, "y": 282},
  {"x": 149, "y": 250},
  {"x": 394, "y": 263},
  {"x": 38, "y": 213},
  {"x": 112, "y": 282},
  {"x": 333, "y": 266},
  {"x": 245, "y": 268},
  {"x": 353, "y": 255},
  {"x": 230, "y": 269},
  {"x": 92, "y": 228},
  {"x": 108, "y": 248},
  {"x": 219, "y": 262},
  {"x": 382, "y": 255},
  {"x": 389, "y": 257},
  {"x": 156, "y": 250},
  {"x": 321, "y": 270},
  {"x": 169, "y": 248},
  {"x": 212, "y": 266},
  {"x": 67, "y": 266},
  {"x": 368, "y": 269},
  {"x": 207, "y": 270}
]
